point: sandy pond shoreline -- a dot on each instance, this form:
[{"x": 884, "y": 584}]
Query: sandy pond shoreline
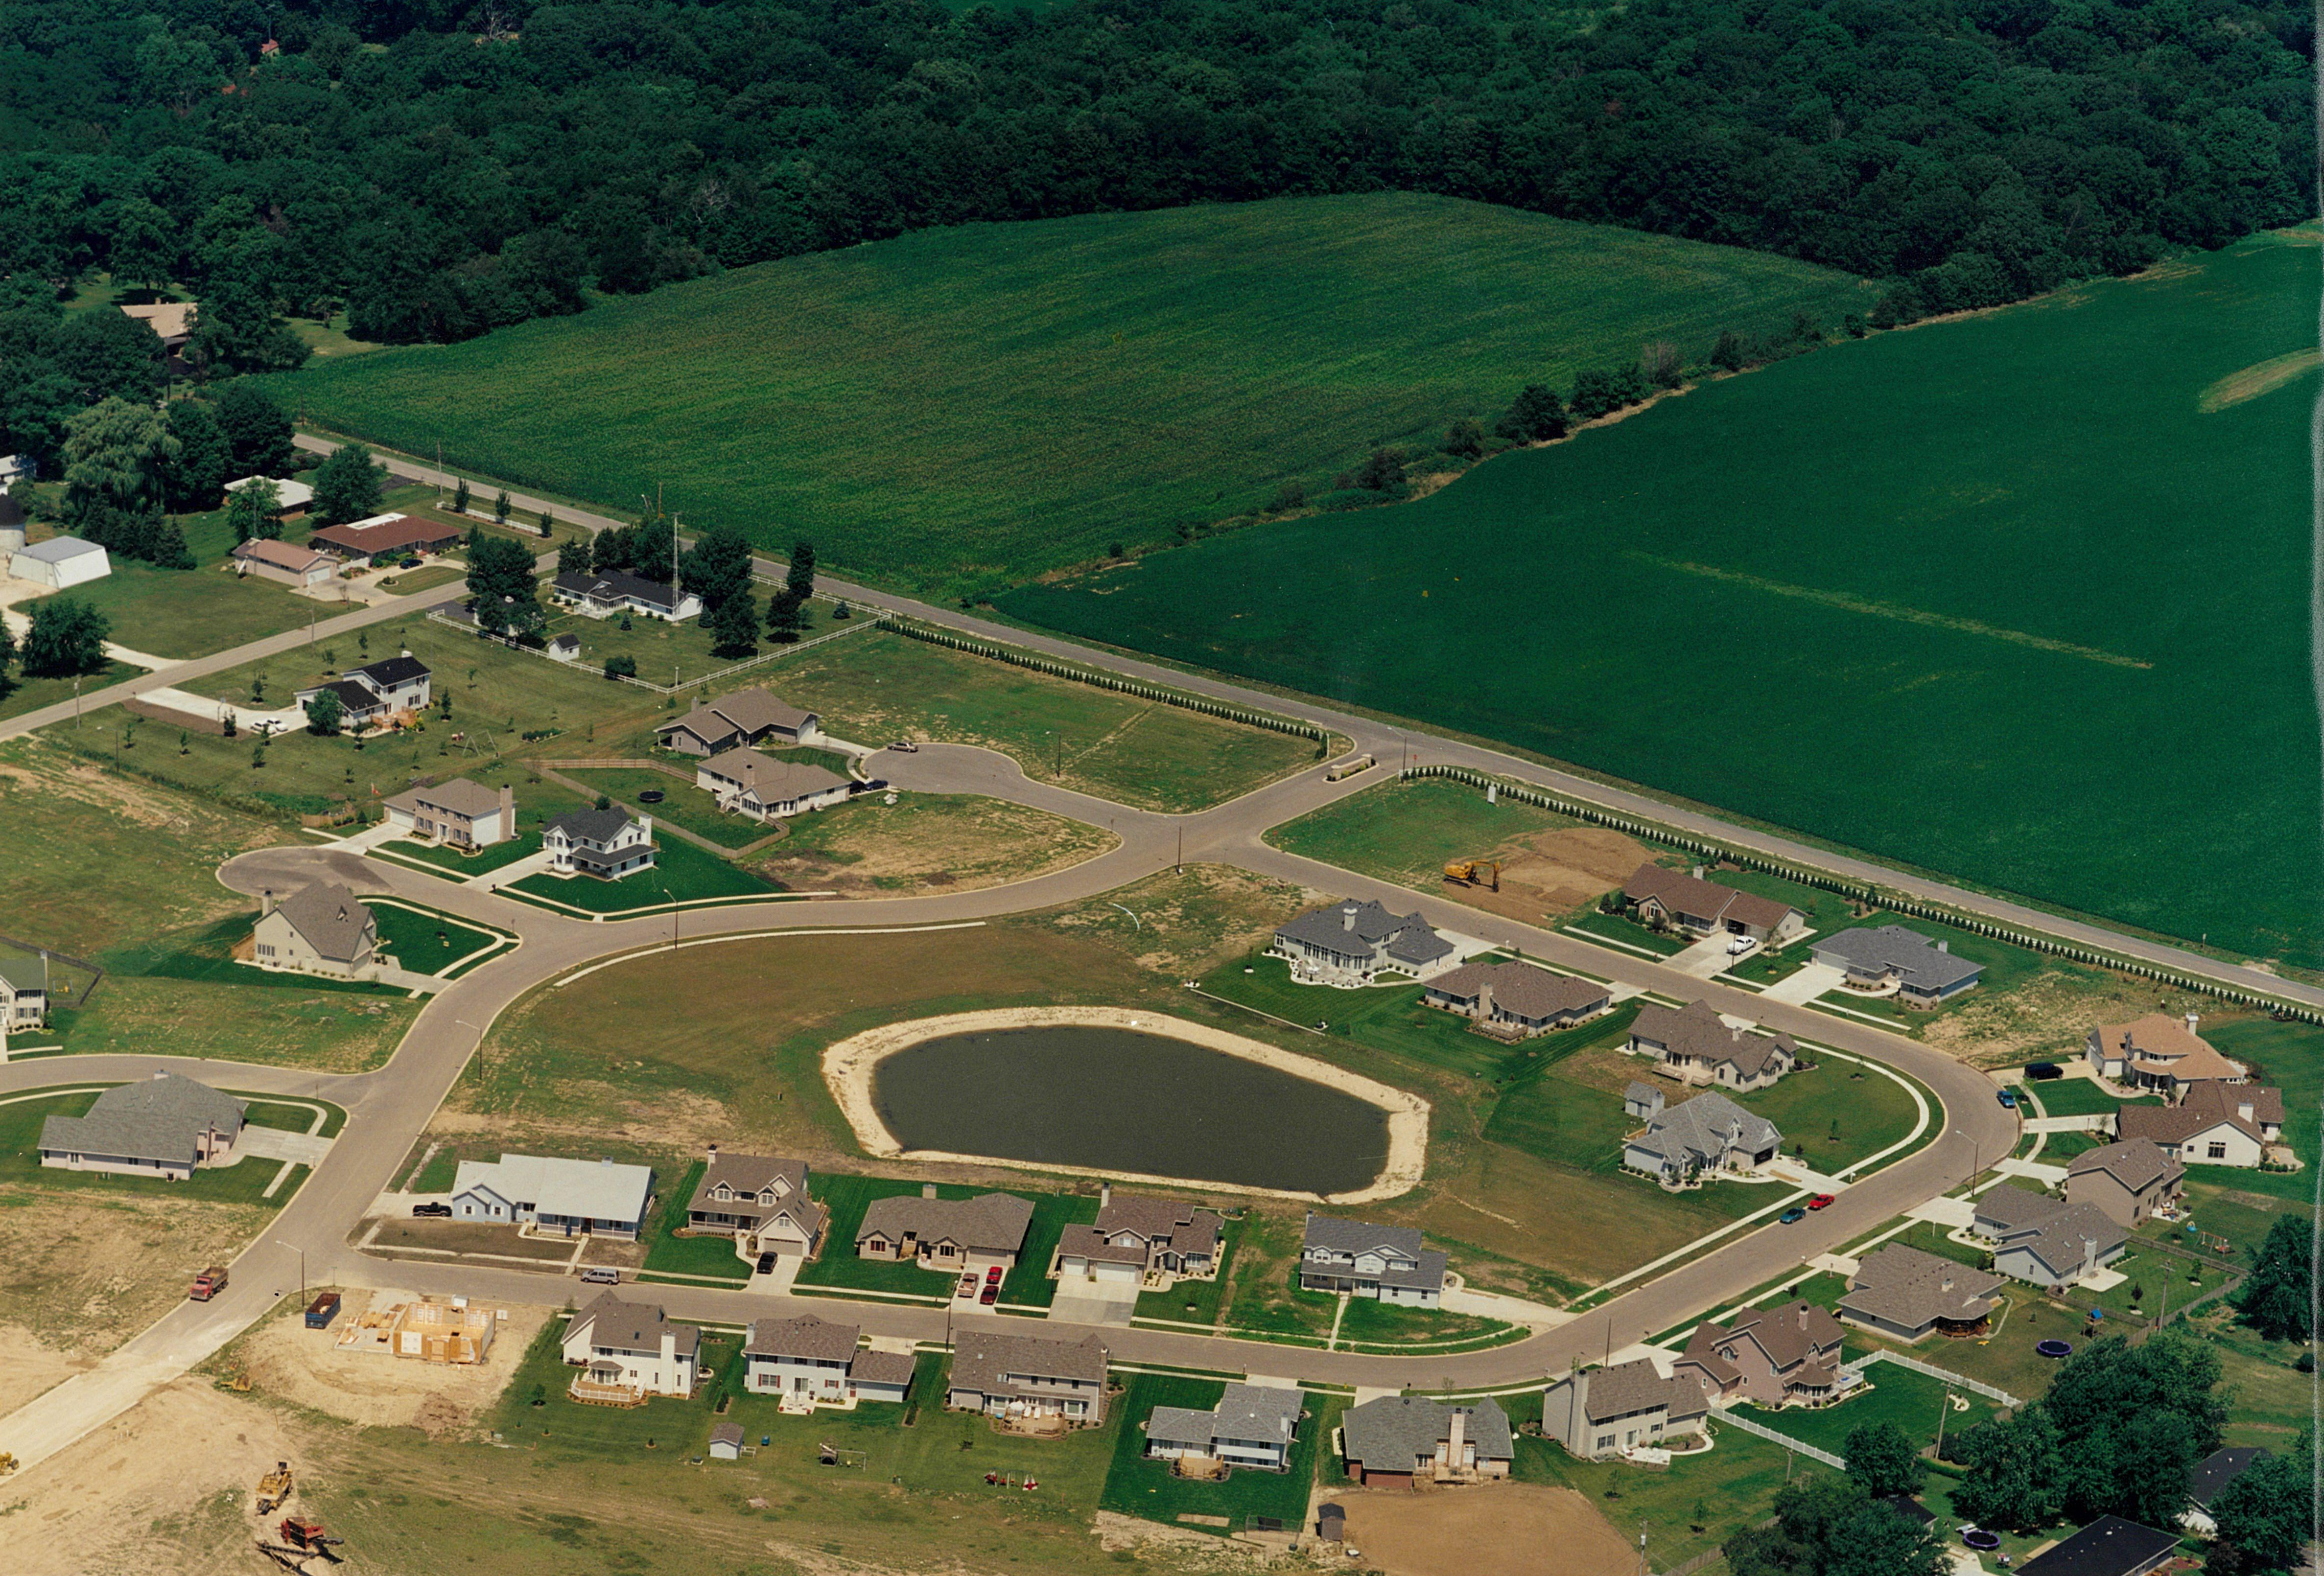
[{"x": 848, "y": 1068}]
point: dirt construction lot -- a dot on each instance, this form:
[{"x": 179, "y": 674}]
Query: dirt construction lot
[
  {"x": 286, "y": 1360},
  {"x": 1545, "y": 874},
  {"x": 1497, "y": 1529}
]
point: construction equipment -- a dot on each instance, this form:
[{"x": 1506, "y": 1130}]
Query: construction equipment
[
  {"x": 1473, "y": 872},
  {"x": 274, "y": 1488},
  {"x": 302, "y": 1533}
]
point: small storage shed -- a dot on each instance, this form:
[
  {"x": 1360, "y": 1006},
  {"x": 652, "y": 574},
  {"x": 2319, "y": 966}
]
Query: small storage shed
[{"x": 726, "y": 1443}]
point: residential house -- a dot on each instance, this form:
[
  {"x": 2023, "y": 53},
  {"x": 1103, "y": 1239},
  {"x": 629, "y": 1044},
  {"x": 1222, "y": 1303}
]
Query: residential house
[
  {"x": 2207, "y": 1478},
  {"x": 2110, "y": 1546},
  {"x": 431, "y": 1331},
  {"x": 605, "y": 593},
  {"x": 290, "y": 497},
  {"x": 572, "y": 1197},
  {"x": 267, "y": 559},
  {"x": 1695, "y": 1045},
  {"x": 2158, "y": 1052},
  {"x": 2045, "y": 1242},
  {"x": 2214, "y": 1123},
  {"x": 2129, "y": 1180},
  {"x": 23, "y": 992},
  {"x": 1136, "y": 1236},
  {"x": 1347, "y": 943},
  {"x": 1400, "y": 1442},
  {"x": 163, "y": 1127},
  {"x": 758, "y": 1200},
  {"x": 463, "y": 814},
  {"x": 1880, "y": 959},
  {"x": 608, "y": 844},
  {"x": 1383, "y": 1262},
  {"x": 945, "y": 1233},
  {"x": 1611, "y": 1411},
  {"x": 61, "y": 563},
  {"x": 1518, "y": 999},
  {"x": 173, "y": 322},
  {"x": 1641, "y": 1103},
  {"x": 1253, "y": 1426},
  {"x": 1905, "y": 1293},
  {"x": 765, "y": 788},
  {"x": 385, "y": 535},
  {"x": 1770, "y": 1357},
  {"x": 811, "y": 1359},
  {"x": 321, "y": 928},
  {"x": 1687, "y": 902},
  {"x": 1024, "y": 1375},
  {"x": 380, "y": 692},
  {"x": 630, "y": 1350},
  {"x": 747, "y": 717},
  {"x": 1699, "y": 1139}
]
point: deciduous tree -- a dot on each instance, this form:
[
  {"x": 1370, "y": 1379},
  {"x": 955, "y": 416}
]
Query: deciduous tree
[
  {"x": 347, "y": 486},
  {"x": 67, "y": 636},
  {"x": 325, "y": 712},
  {"x": 1882, "y": 1461},
  {"x": 505, "y": 595},
  {"x": 257, "y": 429},
  {"x": 735, "y": 625},
  {"x": 718, "y": 569},
  {"x": 1535, "y": 416},
  {"x": 2276, "y": 1300},
  {"x": 252, "y": 511}
]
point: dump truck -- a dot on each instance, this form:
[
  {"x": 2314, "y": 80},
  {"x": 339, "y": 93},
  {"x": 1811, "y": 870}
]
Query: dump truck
[
  {"x": 1475, "y": 872},
  {"x": 274, "y": 1488},
  {"x": 309, "y": 1535},
  {"x": 207, "y": 1284},
  {"x": 322, "y": 1310}
]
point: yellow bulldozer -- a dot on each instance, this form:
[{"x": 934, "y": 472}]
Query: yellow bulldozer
[
  {"x": 1475, "y": 872},
  {"x": 274, "y": 1489}
]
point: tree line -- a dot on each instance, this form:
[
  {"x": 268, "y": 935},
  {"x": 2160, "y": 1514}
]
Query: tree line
[{"x": 440, "y": 171}]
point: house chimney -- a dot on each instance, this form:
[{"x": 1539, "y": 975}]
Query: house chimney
[
  {"x": 604, "y": 1159},
  {"x": 1944, "y": 946},
  {"x": 928, "y": 1190},
  {"x": 266, "y": 903},
  {"x": 1696, "y": 872},
  {"x": 1104, "y": 1194},
  {"x": 2192, "y": 1020},
  {"x": 1460, "y": 1438},
  {"x": 404, "y": 651},
  {"x": 713, "y": 1153},
  {"x": 508, "y": 811},
  {"x": 1348, "y": 916},
  {"x": 1485, "y": 1002}
]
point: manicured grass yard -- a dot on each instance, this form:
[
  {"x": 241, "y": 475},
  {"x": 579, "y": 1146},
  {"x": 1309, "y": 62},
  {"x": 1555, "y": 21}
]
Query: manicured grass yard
[
  {"x": 2046, "y": 502},
  {"x": 673, "y": 1253},
  {"x": 443, "y": 856},
  {"x": 20, "y": 1163},
  {"x": 1840, "y": 1110},
  {"x": 1404, "y": 830},
  {"x": 1390, "y": 1018},
  {"x": 683, "y": 804},
  {"x": 1910, "y": 1401},
  {"x": 681, "y": 873},
  {"x": 2079, "y": 1097},
  {"x": 192, "y": 613},
  {"x": 19, "y": 695},
  {"x": 847, "y": 1197},
  {"x": 423, "y": 940},
  {"x": 1194, "y": 1302},
  {"x": 1135, "y": 1485},
  {"x": 1636, "y": 937}
]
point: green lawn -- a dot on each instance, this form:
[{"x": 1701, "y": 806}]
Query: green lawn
[
  {"x": 1194, "y": 1302},
  {"x": 242, "y": 1183},
  {"x": 423, "y": 940},
  {"x": 1075, "y": 382},
  {"x": 193, "y": 612},
  {"x": 443, "y": 856},
  {"x": 2290, "y": 1058},
  {"x": 1388, "y": 1018},
  {"x": 2044, "y": 463},
  {"x": 672, "y": 1254},
  {"x": 681, "y": 873},
  {"x": 847, "y": 1196},
  {"x": 1840, "y": 1110},
  {"x": 1405, "y": 832},
  {"x": 19, "y": 695},
  {"x": 290, "y": 1115},
  {"x": 684, "y": 805},
  {"x": 1135, "y": 1485},
  {"x": 205, "y": 954},
  {"x": 2080, "y": 1097},
  {"x": 1636, "y": 937},
  {"x": 1912, "y": 1401}
]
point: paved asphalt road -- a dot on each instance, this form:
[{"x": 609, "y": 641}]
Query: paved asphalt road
[{"x": 390, "y": 1108}]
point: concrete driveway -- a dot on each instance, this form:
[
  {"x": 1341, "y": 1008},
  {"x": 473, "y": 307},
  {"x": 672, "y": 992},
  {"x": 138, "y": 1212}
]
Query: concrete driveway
[
  {"x": 1094, "y": 1302},
  {"x": 278, "y": 1144},
  {"x": 1806, "y": 986}
]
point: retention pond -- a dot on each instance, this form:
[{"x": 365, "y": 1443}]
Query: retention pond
[{"x": 1111, "y": 1098}]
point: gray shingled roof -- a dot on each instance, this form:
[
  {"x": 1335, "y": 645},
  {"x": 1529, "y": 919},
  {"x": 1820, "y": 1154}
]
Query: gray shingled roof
[
  {"x": 1089, "y": 1243},
  {"x": 1336, "y": 926},
  {"x": 1394, "y": 1433},
  {"x": 2062, "y": 1241},
  {"x": 460, "y": 796},
  {"x": 593, "y": 825},
  {"x": 1189, "y": 1226},
  {"x": 616, "y": 585},
  {"x": 1522, "y": 989},
  {"x": 1638, "y": 1094},
  {"x": 1246, "y": 1412},
  {"x": 746, "y": 1174},
  {"x": 2014, "y": 1208},
  {"x": 1340, "y": 1235},
  {"x": 24, "y": 973},
  {"x": 1635, "y": 1387},
  {"x": 982, "y": 1360},
  {"x": 881, "y": 1368},
  {"x": 389, "y": 671},
  {"x": 1912, "y": 954},
  {"x": 633, "y": 1326},
  {"x": 1705, "y": 1127},
  {"x": 991, "y": 1223},
  {"x": 2135, "y": 1162},
  {"x": 2220, "y": 1467},
  {"x": 335, "y": 923},
  {"x": 1907, "y": 1286},
  {"x": 153, "y": 1121},
  {"x": 805, "y": 1337},
  {"x": 770, "y": 779}
]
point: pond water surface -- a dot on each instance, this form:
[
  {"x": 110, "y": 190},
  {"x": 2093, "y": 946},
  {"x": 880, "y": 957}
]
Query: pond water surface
[{"x": 1121, "y": 1101}]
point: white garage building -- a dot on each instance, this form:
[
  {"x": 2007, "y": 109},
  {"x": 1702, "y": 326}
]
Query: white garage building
[{"x": 61, "y": 561}]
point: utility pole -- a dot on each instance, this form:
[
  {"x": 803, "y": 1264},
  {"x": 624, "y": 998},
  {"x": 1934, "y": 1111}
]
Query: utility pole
[{"x": 1943, "y": 1407}]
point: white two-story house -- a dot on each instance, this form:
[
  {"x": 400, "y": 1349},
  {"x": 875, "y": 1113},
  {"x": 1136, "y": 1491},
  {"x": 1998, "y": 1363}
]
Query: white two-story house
[
  {"x": 608, "y": 844},
  {"x": 811, "y": 1361},
  {"x": 629, "y": 1347},
  {"x": 1365, "y": 1260}
]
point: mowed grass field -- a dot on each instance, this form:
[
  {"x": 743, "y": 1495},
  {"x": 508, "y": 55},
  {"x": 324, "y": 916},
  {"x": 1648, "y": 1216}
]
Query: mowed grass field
[
  {"x": 993, "y": 400},
  {"x": 1997, "y": 597}
]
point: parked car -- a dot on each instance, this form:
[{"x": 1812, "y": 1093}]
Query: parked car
[
  {"x": 992, "y": 1275},
  {"x": 967, "y": 1288},
  {"x": 766, "y": 1264},
  {"x": 907, "y": 746},
  {"x": 1792, "y": 1217},
  {"x": 1740, "y": 945},
  {"x": 207, "y": 1284},
  {"x": 2042, "y": 1071},
  {"x": 1820, "y": 1200},
  {"x": 432, "y": 1212},
  {"x": 991, "y": 1295},
  {"x": 2008, "y": 1098},
  {"x": 601, "y": 1274}
]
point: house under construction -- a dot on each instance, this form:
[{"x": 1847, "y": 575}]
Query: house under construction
[{"x": 427, "y": 1331}]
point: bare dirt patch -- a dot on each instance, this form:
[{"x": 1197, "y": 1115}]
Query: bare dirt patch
[
  {"x": 1484, "y": 1531},
  {"x": 1182, "y": 922},
  {"x": 285, "y": 1358},
  {"x": 81, "y": 1277},
  {"x": 955, "y": 842},
  {"x": 2259, "y": 378},
  {"x": 2052, "y": 1013},
  {"x": 1555, "y": 871}
]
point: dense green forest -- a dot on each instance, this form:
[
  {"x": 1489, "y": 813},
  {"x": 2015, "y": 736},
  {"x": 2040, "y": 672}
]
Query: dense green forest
[{"x": 444, "y": 167}]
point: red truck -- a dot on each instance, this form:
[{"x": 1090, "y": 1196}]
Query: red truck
[{"x": 209, "y": 1284}]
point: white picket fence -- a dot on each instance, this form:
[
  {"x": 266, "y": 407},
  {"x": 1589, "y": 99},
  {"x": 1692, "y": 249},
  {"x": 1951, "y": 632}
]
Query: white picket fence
[
  {"x": 1785, "y": 1439},
  {"x": 1857, "y": 1365}
]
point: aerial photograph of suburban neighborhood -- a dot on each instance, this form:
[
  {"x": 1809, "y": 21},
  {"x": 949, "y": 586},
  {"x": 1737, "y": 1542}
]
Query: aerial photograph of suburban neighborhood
[{"x": 1181, "y": 787}]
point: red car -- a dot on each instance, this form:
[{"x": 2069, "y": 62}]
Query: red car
[
  {"x": 991, "y": 1295},
  {"x": 1820, "y": 1200},
  {"x": 992, "y": 1276}
]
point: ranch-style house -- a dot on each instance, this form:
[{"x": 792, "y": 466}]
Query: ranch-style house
[
  {"x": 163, "y": 1127},
  {"x": 945, "y": 1233},
  {"x": 570, "y": 1197}
]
